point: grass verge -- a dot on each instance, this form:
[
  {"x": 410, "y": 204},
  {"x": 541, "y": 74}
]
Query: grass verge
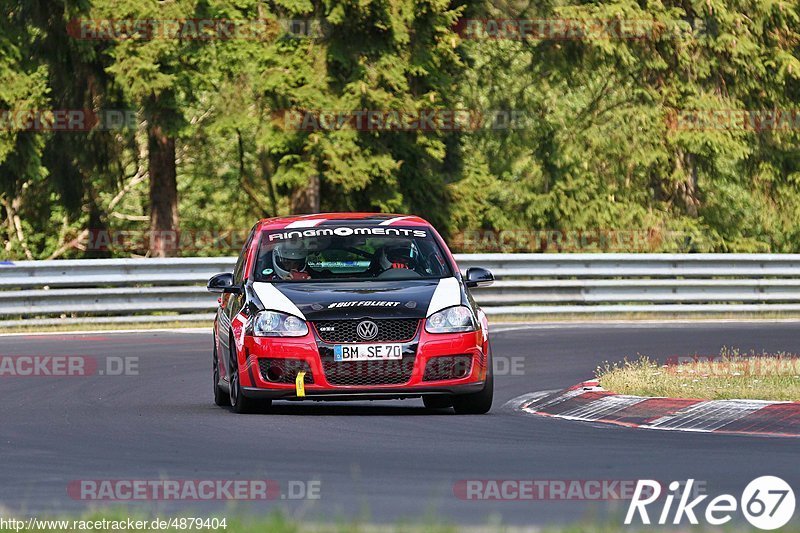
[
  {"x": 655, "y": 316},
  {"x": 277, "y": 522},
  {"x": 493, "y": 320},
  {"x": 730, "y": 375},
  {"x": 77, "y": 326}
]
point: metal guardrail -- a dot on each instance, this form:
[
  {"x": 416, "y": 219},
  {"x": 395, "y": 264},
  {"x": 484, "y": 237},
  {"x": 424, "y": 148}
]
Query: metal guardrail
[{"x": 112, "y": 290}]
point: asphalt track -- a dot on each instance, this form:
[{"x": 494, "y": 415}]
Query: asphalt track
[{"x": 382, "y": 461}]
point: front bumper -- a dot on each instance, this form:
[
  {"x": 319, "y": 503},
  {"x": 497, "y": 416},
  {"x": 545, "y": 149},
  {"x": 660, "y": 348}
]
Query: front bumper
[
  {"x": 327, "y": 383},
  {"x": 372, "y": 393}
]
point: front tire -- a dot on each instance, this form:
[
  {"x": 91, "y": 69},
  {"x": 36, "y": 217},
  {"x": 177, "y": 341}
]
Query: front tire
[
  {"x": 239, "y": 402},
  {"x": 221, "y": 398},
  {"x": 477, "y": 403},
  {"x": 437, "y": 402}
]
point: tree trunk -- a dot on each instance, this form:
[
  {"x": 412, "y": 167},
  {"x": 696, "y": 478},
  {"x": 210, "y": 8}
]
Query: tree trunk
[
  {"x": 266, "y": 171},
  {"x": 306, "y": 200},
  {"x": 163, "y": 192},
  {"x": 687, "y": 187}
]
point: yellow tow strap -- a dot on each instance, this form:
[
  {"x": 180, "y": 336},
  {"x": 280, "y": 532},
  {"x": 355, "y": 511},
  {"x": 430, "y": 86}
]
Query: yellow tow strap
[{"x": 300, "y": 385}]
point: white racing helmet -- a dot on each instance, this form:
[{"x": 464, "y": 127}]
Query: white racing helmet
[
  {"x": 287, "y": 257},
  {"x": 400, "y": 252}
]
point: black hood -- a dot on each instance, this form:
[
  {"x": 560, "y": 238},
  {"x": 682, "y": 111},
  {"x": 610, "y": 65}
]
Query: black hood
[{"x": 377, "y": 299}]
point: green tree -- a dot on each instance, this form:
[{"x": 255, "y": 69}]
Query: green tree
[{"x": 157, "y": 74}]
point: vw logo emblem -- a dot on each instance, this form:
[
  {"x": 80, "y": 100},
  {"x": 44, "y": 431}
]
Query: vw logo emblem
[{"x": 367, "y": 330}]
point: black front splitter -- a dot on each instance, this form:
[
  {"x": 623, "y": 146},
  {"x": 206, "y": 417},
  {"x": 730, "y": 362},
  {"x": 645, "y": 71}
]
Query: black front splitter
[{"x": 361, "y": 394}]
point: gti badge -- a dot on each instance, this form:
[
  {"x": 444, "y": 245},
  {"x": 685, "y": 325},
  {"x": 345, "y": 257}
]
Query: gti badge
[{"x": 367, "y": 330}]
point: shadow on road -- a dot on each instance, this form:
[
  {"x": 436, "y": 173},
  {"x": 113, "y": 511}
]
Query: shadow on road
[{"x": 350, "y": 409}]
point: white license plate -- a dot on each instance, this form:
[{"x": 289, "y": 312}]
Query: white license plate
[{"x": 367, "y": 352}]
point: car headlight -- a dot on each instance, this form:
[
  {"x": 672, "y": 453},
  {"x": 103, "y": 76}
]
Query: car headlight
[
  {"x": 451, "y": 320},
  {"x": 274, "y": 324}
]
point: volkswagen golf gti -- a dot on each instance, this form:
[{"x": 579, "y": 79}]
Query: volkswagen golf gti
[{"x": 350, "y": 306}]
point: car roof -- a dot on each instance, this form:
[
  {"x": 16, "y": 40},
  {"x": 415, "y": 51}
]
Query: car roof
[{"x": 336, "y": 219}]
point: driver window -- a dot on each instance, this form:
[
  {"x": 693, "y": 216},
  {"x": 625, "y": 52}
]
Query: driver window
[{"x": 238, "y": 272}]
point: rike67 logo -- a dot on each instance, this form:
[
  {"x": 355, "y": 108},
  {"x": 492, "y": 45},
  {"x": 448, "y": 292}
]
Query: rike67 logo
[{"x": 767, "y": 503}]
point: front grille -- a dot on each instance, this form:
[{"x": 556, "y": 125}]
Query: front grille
[
  {"x": 357, "y": 373},
  {"x": 389, "y": 330},
  {"x": 284, "y": 370},
  {"x": 447, "y": 367}
]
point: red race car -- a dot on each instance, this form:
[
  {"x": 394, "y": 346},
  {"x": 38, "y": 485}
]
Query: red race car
[{"x": 349, "y": 306}]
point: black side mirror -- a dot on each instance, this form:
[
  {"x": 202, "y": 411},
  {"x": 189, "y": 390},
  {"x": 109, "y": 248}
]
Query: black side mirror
[
  {"x": 479, "y": 277},
  {"x": 222, "y": 283}
]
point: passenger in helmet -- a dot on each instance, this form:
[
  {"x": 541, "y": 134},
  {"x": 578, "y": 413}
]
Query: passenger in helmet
[
  {"x": 290, "y": 261},
  {"x": 398, "y": 255}
]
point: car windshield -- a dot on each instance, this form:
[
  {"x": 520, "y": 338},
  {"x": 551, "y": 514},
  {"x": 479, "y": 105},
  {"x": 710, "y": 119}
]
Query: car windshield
[{"x": 349, "y": 253}]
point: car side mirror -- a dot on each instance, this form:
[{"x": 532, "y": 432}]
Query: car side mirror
[
  {"x": 479, "y": 277},
  {"x": 223, "y": 283}
]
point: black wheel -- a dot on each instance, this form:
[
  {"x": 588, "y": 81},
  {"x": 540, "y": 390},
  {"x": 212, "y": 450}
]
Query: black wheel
[
  {"x": 239, "y": 402},
  {"x": 221, "y": 398},
  {"x": 477, "y": 403},
  {"x": 437, "y": 402}
]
